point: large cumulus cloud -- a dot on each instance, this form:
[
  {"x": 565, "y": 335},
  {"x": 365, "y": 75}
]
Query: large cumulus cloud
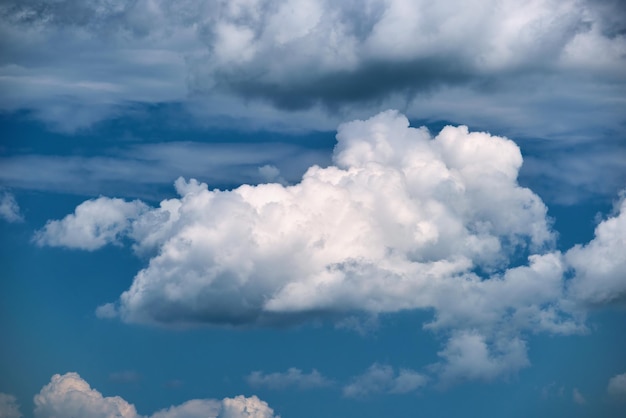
[
  {"x": 402, "y": 220},
  {"x": 69, "y": 395}
]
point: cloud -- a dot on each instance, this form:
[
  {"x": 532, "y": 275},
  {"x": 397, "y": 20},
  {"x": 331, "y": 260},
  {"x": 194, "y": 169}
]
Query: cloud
[
  {"x": 383, "y": 379},
  {"x": 292, "y": 378},
  {"x": 125, "y": 376},
  {"x": 578, "y": 398},
  {"x": 94, "y": 224},
  {"x": 132, "y": 169},
  {"x": 617, "y": 386},
  {"x": 468, "y": 356},
  {"x": 600, "y": 264},
  {"x": 402, "y": 220},
  {"x": 9, "y": 408},
  {"x": 9, "y": 209},
  {"x": 69, "y": 395},
  {"x": 315, "y": 56}
]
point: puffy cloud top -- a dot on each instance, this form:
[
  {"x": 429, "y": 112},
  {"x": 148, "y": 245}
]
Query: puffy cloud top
[{"x": 69, "y": 395}]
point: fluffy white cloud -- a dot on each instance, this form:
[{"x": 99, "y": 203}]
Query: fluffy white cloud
[
  {"x": 293, "y": 377},
  {"x": 399, "y": 218},
  {"x": 9, "y": 408},
  {"x": 69, "y": 395},
  {"x": 617, "y": 386},
  {"x": 599, "y": 265},
  {"x": 402, "y": 220},
  {"x": 383, "y": 379},
  {"x": 9, "y": 209},
  {"x": 242, "y": 407},
  {"x": 93, "y": 224}
]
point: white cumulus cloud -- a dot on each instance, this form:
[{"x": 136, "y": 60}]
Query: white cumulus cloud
[
  {"x": 69, "y": 395},
  {"x": 402, "y": 220},
  {"x": 93, "y": 224},
  {"x": 381, "y": 378},
  {"x": 600, "y": 264}
]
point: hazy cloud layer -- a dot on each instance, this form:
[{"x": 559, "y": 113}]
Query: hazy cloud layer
[
  {"x": 69, "y": 395},
  {"x": 402, "y": 220},
  {"x": 292, "y": 378},
  {"x": 565, "y": 57},
  {"x": 132, "y": 169},
  {"x": 9, "y": 408},
  {"x": 381, "y": 378}
]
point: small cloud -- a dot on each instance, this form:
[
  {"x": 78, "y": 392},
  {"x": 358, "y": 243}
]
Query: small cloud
[
  {"x": 125, "y": 376},
  {"x": 9, "y": 408},
  {"x": 174, "y": 384},
  {"x": 617, "y": 386},
  {"x": 383, "y": 379},
  {"x": 291, "y": 378},
  {"x": 551, "y": 390},
  {"x": 94, "y": 224},
  {"x": 270, "y": 173},
  {"x": 578, "y": 397},
  {"x": 106, "y": 311},
  {"x": 361, "y": 325},
  {"x": 9, "y": 209}
]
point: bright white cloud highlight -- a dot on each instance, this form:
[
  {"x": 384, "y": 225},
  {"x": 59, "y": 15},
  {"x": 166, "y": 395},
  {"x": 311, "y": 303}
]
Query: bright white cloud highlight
[
  {"x": 69, "y": 395},
  {"x": 402, "y": 220},
  {"x": 617, "y": 386},
  {"x": 9, "y": 209},
  {"x": 383, "y": 379},
  {"x": 9, "y": 408},
  {"x": 292, "y": 378}
]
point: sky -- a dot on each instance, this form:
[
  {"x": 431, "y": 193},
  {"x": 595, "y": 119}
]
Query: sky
[{"x": 305, "y": 208}]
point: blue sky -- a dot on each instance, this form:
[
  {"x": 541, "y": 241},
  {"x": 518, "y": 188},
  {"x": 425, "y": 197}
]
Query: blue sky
[{"x": 306, "y": 208}]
